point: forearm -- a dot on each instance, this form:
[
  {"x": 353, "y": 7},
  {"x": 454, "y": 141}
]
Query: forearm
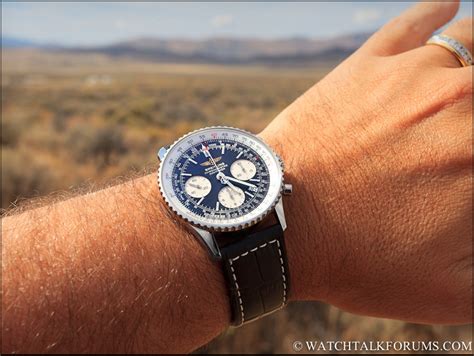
[
  {"x": 111, "y": 271},
  {"x": 115, "y": 271}
]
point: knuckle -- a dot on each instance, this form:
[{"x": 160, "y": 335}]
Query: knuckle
[
  {"x": 457, "y": 90},
  {"x": 405, "y": 25},
  {"x": 462, "y": 89},
  {"x": 440, "y": 93}
]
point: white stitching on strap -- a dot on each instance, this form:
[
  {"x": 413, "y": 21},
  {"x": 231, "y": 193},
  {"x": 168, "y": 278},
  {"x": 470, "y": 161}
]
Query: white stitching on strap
[
  {"x": 235, "y": 277},
  {"x": 282, "y": 272}
]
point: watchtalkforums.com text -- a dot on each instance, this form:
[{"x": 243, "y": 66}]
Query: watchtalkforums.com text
[{"x": 382, "y": 346}]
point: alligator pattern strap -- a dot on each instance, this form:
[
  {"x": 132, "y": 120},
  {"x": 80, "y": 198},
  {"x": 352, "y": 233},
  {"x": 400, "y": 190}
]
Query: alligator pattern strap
[{"x": 256, "y": 271}]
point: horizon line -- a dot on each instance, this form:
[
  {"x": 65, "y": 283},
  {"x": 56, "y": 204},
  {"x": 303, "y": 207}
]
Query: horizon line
[{"x": 182, "y": 38}]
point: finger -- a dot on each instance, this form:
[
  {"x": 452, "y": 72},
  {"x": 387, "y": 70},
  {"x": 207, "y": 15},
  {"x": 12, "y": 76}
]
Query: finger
[
  {"x": 412, "y": 28},
  {"x": 461, "y": 31}
]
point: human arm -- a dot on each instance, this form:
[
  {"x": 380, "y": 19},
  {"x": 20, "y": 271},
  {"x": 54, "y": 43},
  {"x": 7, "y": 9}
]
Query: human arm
[
  {"x": 379, "y": 223},
  {"x": 382, "y": 152},
  {"x": 110, "y": 271}
]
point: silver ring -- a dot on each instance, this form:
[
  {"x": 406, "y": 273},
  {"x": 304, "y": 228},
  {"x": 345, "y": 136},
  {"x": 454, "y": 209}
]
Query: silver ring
[{"x": 461, "y": 53}]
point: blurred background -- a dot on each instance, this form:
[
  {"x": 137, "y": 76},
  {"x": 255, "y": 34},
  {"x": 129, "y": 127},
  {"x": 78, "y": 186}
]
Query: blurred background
[{"x": 91, "y": 90}]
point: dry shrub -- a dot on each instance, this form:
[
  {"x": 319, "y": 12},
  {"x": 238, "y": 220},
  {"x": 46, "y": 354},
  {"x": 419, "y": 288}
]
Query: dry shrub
[
  {"x": 101, "y": 144},
  {"x": 23, "y": 177},
  {"x": 10, "y": 133}
]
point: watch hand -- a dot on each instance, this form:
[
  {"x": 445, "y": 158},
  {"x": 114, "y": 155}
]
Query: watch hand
[
  {"x": 232, "y": 186},
  {"x": 205, "y": 150},
  {"x": 240, "y": 181},
  {"x": 242, "y": 167}
]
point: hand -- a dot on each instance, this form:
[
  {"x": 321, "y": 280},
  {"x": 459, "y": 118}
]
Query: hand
[
  {"x": 240, "y": 181},
  {"x": 380, "y": 156},
  {"x": 234, "y": 188}
]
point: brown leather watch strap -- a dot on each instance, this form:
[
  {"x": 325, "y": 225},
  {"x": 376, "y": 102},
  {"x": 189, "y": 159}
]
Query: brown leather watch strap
[{"x": 256, "y": 271}]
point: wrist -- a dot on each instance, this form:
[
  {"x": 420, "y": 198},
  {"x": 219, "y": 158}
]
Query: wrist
[{"x": 307, "y": 237}]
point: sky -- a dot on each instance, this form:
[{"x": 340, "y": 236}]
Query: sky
[{"x": 95, "y": 23}]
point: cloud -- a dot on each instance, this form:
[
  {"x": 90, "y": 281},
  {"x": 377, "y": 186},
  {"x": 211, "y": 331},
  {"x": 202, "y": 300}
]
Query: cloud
[
  {"x": 221, "y": 21},
  {"x": 366, "y": 16}
]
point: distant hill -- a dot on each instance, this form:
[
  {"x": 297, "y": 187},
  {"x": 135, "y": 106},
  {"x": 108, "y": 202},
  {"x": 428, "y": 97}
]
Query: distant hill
[
  {"x": 13, "y": 42},
  {"x": 286, "y": 51},
  {"x": 234, "y": 50}
]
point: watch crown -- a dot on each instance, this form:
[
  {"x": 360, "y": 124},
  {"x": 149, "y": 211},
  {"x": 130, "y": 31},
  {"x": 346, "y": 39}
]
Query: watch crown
[{"x": 287, "y": 189}]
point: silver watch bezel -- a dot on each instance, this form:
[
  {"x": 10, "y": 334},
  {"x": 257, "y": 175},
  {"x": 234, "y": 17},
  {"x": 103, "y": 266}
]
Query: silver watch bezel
[{"x": 242, "y": 223}]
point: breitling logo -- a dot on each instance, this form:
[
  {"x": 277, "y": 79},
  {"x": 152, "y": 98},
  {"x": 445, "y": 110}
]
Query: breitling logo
[{"x": 209, "y": 162}]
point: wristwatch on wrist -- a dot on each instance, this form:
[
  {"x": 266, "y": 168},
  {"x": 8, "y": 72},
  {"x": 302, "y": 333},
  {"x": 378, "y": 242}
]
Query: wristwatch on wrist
[{"x": 227, "y": 184}]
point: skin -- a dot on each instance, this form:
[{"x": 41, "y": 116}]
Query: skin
[
  {"x": 388, "y": 134},
  {"x": 380, "y": 156}
]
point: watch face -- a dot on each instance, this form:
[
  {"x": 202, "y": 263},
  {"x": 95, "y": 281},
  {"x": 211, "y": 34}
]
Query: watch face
[{"x": 221, "y": 178}]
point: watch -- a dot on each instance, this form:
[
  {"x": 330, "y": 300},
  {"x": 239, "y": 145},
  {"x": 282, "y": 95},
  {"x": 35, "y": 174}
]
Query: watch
[{"x": 227, "y": 185}]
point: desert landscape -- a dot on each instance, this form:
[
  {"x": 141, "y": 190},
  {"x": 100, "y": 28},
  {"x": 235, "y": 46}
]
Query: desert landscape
[{"x": 75, "y": 119}]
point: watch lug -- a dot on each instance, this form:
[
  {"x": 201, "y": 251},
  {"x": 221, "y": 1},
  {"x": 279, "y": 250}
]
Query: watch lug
[
  {"x": 207, "y": 239},
  {"x": 162, "y": 152},
  {"x": 280, "y": 213}
]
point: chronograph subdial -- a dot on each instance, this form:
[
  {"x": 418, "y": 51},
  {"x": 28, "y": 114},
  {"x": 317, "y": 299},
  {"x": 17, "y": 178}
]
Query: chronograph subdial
[
  {"x": 198, "y": 186},
  {"x": 243, "y": 169},
  {"x": 231, "y": 197}
]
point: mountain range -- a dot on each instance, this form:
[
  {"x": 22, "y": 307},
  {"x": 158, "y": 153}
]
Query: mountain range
[
  {"x": 13, "y": 42},
  {"x": 221, "y": 50}
]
